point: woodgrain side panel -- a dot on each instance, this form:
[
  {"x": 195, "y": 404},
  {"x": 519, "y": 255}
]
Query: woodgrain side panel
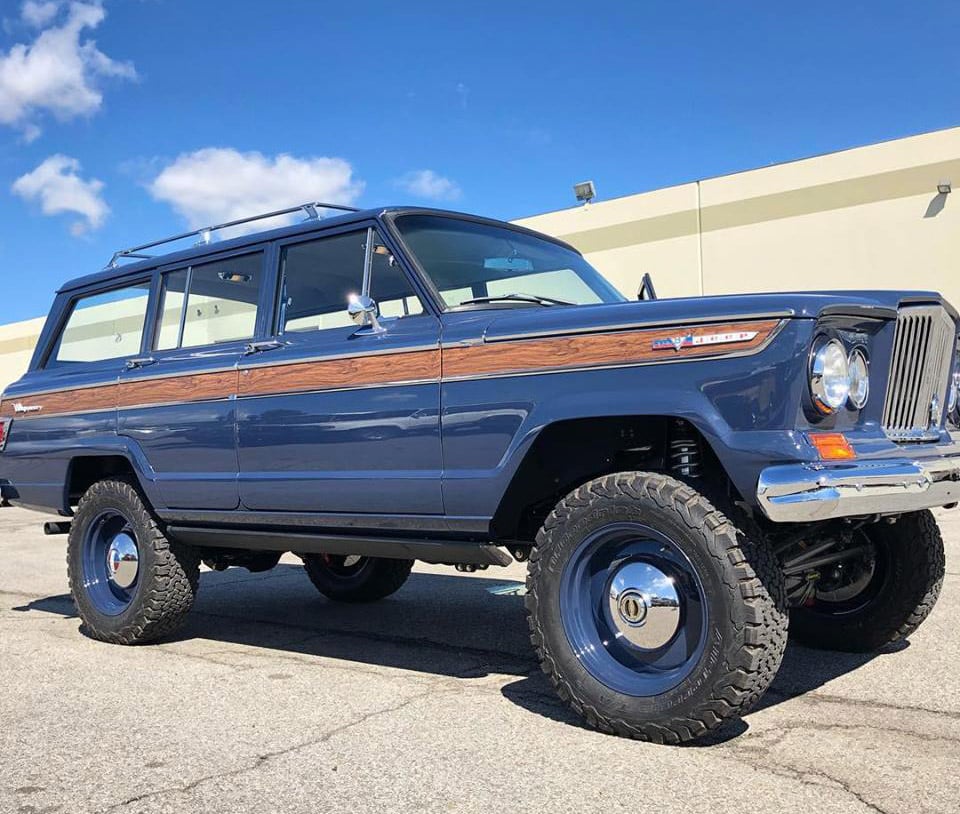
[
  {"x": 196, "y": 387},
  {"x": 589, "y": 350},
  {"x": 388, "y": 368},
  {"x": 515, "y": 356},
  {"x": 84, "y": 400}
]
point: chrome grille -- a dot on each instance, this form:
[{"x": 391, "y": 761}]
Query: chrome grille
[{"x": 923, "y": 347}]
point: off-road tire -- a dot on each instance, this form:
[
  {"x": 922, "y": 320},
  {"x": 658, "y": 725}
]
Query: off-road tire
[
  {"x": 743, "y": 583},
  {"x": 169, "y": 572},
  {"x": 378, "y": 578},
  {"x": 913, "y": 577}
]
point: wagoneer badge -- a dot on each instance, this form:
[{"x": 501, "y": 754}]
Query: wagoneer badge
[
  {"x": 25, "y": 408},
  {"x": 691, "y": 341}
]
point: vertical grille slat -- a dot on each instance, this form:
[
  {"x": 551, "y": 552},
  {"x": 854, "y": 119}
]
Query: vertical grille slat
[
  {"x": 918, "y": 351},
  {"x": 919, "y": 366}
]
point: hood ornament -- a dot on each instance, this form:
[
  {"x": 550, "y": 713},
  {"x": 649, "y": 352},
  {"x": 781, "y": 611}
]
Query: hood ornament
[{"x": 690, "y": 341}]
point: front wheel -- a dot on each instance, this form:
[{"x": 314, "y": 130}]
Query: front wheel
[
  {"x": 354, "y": 578},
  {"x": 652, "y": 614},
  {"x": 884, "y": 583}
]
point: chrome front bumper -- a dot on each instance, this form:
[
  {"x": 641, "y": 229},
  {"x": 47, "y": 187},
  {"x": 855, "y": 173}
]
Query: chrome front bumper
[{"x": 797, "y": 493}]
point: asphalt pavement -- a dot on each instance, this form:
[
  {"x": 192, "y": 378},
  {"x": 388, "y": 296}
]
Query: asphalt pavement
[{"x": 275, "y": 699}]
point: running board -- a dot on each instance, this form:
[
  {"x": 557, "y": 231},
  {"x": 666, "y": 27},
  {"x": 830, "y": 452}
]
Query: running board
[{"x": 440, "y": 552}]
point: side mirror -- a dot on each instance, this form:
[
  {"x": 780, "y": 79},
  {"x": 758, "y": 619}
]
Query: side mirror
[
  {"x": 363, "y": 311},
  {"x": 647, "y": 291}
]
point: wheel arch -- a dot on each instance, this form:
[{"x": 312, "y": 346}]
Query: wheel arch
[
  {"x": 569, "y": 452},
  {"x": 85, "y": 469}
]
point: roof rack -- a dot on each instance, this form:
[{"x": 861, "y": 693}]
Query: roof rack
[{"x": 206, "y": 233}]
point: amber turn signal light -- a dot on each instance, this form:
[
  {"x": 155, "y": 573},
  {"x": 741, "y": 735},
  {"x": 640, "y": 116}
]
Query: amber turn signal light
[{"x": 832, "y": 446}]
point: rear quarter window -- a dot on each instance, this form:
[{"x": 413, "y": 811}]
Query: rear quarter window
[{"x": 103, "y": 326}]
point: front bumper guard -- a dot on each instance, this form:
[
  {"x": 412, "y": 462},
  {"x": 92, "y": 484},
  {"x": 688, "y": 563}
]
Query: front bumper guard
[{"x": 798, "y": 493}]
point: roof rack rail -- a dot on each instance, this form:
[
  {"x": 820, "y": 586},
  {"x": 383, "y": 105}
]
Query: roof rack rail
[{"x": 205, "y": 234}]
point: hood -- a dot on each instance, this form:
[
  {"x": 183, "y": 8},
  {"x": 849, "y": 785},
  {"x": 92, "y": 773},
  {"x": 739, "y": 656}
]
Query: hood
[{"x": 690, "y": 310}]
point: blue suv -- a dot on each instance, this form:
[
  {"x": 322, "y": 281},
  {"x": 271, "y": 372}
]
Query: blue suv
[{"x": 687, "y": 477}]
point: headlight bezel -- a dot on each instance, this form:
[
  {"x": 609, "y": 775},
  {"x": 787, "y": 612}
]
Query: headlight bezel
[{"x": 826, "y": 353}]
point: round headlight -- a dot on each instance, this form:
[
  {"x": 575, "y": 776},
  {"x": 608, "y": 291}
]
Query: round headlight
[
  {"x": 830, "y": 377},
  {"x": 859, "y": 378}
]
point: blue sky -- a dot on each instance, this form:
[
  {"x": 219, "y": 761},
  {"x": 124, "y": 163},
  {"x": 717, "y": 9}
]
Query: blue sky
[{"x": 126, "y": 120}]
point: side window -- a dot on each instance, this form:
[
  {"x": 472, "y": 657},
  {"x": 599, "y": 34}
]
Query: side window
[
  {"x": 209, "y": 303},
  {"x": 103, "y": 326},
  {"x": 317, "y": 279}
]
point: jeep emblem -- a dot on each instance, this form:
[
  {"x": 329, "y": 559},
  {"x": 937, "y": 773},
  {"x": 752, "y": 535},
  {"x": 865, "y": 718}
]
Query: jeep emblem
[{"x": 691, "y": 341}]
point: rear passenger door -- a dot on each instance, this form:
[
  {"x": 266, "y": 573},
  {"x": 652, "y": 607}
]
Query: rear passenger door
[
  {"x": 339, "y": 418},
  {"x": 178, "y": 400}
]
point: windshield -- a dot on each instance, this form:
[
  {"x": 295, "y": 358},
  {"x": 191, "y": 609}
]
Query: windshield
[{"x": 475, "y": 264}]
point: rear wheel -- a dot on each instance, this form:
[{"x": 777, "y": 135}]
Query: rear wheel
[
  {"x": 353, "y": 578},
  {"x": 652, "y": 614},
  {"x": 885, "y": 584},
  {"x": 130, "y": 583}
]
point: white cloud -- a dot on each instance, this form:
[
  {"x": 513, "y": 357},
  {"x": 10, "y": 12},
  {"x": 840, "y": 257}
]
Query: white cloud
[
  {"x": 218, "y": 184},
  {"x": 56, "y": 184},
  {"x": 39, "y": 14},
  {"x": 428, "y": 184},
  {"x": 59, "y": 72}
]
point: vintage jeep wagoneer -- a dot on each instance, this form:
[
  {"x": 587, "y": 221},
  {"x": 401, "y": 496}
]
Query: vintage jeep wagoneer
[{"x": 377, "y": 387}]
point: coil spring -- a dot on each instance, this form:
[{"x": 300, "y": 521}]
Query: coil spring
[{"x": 686, "y": 458}]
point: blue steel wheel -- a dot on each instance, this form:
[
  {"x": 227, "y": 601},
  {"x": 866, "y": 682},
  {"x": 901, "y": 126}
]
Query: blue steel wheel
[
  {"x": 633, "y": 609},
  {"x": 111, "y": 562},
  {"x": 130, "y": 583},
  {"x": 653, "y": 615}
]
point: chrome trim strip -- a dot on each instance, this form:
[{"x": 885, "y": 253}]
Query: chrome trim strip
[
  {"x": 801, "y": 493},
  {"x": 333, "y": 357},
  {"x": 62, "y": 389},
  {"x": 636, "y": 326}
]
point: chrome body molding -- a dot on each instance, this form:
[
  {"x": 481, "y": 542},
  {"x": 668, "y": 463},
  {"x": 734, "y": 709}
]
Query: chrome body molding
[
  {"x": 801, "y": 493},
  {"x": 635, "y": 325}
]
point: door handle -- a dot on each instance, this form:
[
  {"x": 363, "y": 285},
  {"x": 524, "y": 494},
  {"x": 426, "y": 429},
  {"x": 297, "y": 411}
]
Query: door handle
[
  {"x": 143, "y": 361},
  {"x": 262, "y": 346}
]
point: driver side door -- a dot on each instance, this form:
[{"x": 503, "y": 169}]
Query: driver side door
[{"x": 333, "y": 418}]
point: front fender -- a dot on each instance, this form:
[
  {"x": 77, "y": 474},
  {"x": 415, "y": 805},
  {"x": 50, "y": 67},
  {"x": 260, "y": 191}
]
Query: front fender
[{"x": 745, "y": 407}]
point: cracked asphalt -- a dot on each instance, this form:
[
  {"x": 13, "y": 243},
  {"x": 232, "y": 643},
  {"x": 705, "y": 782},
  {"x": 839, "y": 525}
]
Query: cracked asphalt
[{"x": 274, "y": 699}]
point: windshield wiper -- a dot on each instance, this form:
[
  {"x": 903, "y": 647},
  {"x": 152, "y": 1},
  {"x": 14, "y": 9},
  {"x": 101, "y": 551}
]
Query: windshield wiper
[{"x": 535, "y": 299}]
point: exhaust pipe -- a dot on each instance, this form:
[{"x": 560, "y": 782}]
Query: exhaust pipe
[{"x": 56, "y": 527}]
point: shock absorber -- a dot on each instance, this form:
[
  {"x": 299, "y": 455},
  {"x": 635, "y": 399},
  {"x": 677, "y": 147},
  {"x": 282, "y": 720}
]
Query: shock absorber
[{"x": 685, "y": 455}]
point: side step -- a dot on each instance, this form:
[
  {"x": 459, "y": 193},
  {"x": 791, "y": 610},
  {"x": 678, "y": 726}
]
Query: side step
[{"x": 440, "y": 552}]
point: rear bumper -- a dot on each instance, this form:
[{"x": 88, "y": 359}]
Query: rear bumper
[{"x": 797, "y": 493}]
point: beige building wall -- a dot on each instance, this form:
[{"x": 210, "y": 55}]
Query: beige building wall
[
  {"x": 17, "y": 341},
  {"x": 865, "y": 218}
]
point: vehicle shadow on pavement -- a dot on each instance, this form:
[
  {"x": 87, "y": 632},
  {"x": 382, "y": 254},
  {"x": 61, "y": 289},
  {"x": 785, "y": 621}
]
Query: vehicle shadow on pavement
[{"x": 459, "y": 627}]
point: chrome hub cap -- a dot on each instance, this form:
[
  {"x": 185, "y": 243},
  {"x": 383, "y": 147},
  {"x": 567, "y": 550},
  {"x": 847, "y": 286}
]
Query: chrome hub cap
[
  {"x": 644, "y": 605},
  {"x": 123, "y": 561},
  {"x": 633, "y": 609},
  {"x": 110, "y": 561}
]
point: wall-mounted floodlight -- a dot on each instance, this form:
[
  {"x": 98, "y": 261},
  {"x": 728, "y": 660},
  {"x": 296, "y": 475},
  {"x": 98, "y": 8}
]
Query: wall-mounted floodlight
[
  {"x": 944, "y": 186},
  {"x": 585, "y": 191}
]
